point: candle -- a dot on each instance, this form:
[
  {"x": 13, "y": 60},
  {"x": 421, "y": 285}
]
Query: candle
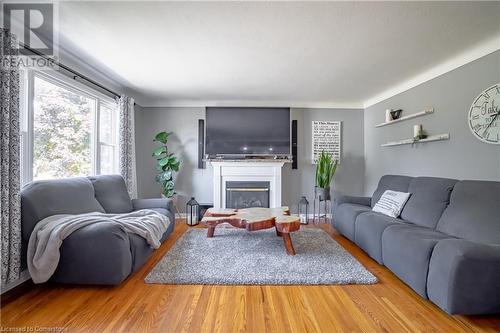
[
  {"x": 388, "y": 116},
  {"x": 417, "y": 131}
]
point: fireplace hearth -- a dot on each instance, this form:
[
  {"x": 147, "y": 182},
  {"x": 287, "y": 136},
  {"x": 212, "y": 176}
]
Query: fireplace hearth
[{"x": 246, "y": 194}]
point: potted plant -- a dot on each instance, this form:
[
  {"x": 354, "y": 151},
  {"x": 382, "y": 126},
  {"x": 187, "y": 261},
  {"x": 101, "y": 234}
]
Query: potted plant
[
  {"x": 166, "y": 164},
  {"x": 325, "y": 170}
]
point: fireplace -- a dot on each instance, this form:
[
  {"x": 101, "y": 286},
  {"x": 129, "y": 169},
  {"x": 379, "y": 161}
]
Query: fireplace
[
  {"x": 245, "y": 194},
  {"x": 266, "y": 171}
]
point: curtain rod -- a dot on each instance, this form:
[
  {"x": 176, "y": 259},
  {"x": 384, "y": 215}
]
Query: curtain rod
[{"x": 68, "y": 69}]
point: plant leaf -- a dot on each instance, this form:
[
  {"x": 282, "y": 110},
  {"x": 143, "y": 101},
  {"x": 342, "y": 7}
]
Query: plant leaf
[
  {"x": 160, "y": 150},
  {"x": 325, "y": 169},
  {"x": 175, "y": 166},
  {"x": 168, "y": 193},
  {"x": 162, "y": 137},
  {"x": 163, "y": 161},
  {"x": 164, "y": 176}
]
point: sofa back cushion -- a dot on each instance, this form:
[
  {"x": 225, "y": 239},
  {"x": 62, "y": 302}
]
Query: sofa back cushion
[
  {"x": 473, "y": 212},
  {"x": 111, "y": 192},
  {"x": 390, "y": 182},
  {"x": 429, "y": 198},
  {"x": 43, "y": 198}
]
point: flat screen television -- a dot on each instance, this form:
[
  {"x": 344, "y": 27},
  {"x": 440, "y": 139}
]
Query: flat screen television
[{"x": 247, "y": 131}]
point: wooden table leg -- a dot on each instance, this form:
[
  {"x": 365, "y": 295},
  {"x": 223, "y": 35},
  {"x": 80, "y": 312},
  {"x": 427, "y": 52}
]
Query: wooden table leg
[
  {"x": 210, "y": 232},
  {"x": 288, "y": 243},
  {"x": 278, "y": 233}
]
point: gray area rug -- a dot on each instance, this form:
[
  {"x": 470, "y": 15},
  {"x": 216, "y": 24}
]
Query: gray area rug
[{"x": 239, "y": 257}]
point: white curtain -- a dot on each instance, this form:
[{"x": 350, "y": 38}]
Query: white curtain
[
  {"x": 10, "y": 204},
  {"x": 127, "y": 144}
]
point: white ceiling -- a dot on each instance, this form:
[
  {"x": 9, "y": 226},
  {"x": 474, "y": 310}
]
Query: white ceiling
[{"x": 272, "y": 53}]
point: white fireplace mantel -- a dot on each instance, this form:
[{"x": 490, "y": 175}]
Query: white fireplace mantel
[{"x": 247, "y": 170}]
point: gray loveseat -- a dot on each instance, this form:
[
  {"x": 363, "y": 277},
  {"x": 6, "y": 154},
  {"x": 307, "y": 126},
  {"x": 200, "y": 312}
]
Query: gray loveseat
[
  {"x": 445, "y": 245},
  {"x": 102, "y": 253}
]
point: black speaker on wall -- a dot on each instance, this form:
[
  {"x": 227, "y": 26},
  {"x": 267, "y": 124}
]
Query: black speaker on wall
[
  {"x": 295, "y": 161},
  {"x": 201, "y": 143}
]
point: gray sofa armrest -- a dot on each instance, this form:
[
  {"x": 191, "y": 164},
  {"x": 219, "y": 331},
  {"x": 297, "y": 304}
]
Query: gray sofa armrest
[
  {"x": 464, "y": 277},
  {"x": 158, "y": 204},
  {"x": 340, "y": 199},
  {"x": 165, "y": 203}
]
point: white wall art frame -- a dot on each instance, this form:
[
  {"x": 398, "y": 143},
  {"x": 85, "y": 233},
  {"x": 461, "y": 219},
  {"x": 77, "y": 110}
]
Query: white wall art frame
[{"x": 326, "y": 136}]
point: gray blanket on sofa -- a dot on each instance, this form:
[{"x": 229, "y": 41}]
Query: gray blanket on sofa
[{"x": 48, "y": 235}]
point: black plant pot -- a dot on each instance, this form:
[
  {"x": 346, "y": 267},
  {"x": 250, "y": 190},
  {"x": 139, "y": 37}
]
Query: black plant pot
[{"x": 323, "y": 193}]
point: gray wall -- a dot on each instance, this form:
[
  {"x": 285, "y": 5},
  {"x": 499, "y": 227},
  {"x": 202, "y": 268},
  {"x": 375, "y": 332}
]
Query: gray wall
[
  {"x": 363, "y": 160},
  {"x": 462, "y": 157},
  {"x": 183, "y": 122},
  {"x": 349, "y": 176},
  {"x": 198, "y": 182}
]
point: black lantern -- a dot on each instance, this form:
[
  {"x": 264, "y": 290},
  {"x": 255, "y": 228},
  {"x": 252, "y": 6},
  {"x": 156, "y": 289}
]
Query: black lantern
[
  {"x": 192, "y": 209},
  {"x": 303, "y": 210}
]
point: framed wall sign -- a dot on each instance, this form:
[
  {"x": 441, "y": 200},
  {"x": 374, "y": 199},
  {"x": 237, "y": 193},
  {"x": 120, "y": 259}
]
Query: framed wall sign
[{"x": 326, "y": 136}]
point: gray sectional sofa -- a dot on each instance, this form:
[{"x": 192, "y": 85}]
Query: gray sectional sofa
[
  {"x": 101, "y": 253},
  {"x": 445, "y": 245}
]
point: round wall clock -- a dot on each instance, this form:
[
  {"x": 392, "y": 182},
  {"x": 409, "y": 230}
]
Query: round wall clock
[{"x": 484, "y": 115}]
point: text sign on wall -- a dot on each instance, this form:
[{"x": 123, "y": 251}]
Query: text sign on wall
[{"x": 326, "y": 136}]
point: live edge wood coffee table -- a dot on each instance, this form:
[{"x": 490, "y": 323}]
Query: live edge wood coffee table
[{"x": 253, "y": 219}]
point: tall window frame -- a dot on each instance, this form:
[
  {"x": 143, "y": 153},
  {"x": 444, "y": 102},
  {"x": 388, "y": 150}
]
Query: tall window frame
[{"x": 27, "y": 119}]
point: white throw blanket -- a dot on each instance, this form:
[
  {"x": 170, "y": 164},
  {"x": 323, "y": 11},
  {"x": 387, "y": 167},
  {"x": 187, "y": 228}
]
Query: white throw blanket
[{"x": 49, "y": 233}]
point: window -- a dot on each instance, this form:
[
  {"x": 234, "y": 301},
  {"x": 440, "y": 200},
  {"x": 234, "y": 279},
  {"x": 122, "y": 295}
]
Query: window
[
  {"x": 71, "y": 130},
  {"x": 62, "y": 131},
  {"x": 108, "y": 144}
]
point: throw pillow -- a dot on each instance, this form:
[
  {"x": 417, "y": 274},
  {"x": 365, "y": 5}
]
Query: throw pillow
[{"x": 391, "y": 203}]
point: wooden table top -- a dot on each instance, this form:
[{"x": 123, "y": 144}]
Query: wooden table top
[{"x": 251, "y": 215}]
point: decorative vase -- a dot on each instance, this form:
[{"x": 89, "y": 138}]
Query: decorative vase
[
  {"x": 388, "y": 117},
  {"x": 323, "y": 193},
  {"x": 396, "y": 114}
]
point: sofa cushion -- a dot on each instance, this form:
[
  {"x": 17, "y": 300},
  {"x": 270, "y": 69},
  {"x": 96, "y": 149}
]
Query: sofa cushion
[
  {"x": 407, "y": 250},
  {"x": 464, "y": 277},
  {"x": 345, "y": 216},
  {"x": 368, "y": 232},
  {"x": 429, "y": 198},
  {"x": 98, "y": 253},
  {"x": 390, "y": 182},
  {"x": 43, "y": 198},
  {"x": 111, "y": 192},
  {"x": 473, "y": 212}
]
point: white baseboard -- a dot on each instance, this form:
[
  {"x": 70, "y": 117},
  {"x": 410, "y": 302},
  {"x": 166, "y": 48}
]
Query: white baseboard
[{"x": 24, "y": 276}]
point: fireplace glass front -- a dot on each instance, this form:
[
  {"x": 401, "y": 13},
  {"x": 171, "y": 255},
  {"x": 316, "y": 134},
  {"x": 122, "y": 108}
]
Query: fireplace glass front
[{"x": 245, "y": 194}]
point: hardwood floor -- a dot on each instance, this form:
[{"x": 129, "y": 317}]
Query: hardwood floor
[{"x": 389, "y": 306}]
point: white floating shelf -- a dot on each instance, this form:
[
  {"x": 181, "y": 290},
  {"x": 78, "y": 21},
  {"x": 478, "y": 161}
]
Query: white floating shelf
[
  {"x": 410, "y": 116},
  {"x": 439, "y": 137}
]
